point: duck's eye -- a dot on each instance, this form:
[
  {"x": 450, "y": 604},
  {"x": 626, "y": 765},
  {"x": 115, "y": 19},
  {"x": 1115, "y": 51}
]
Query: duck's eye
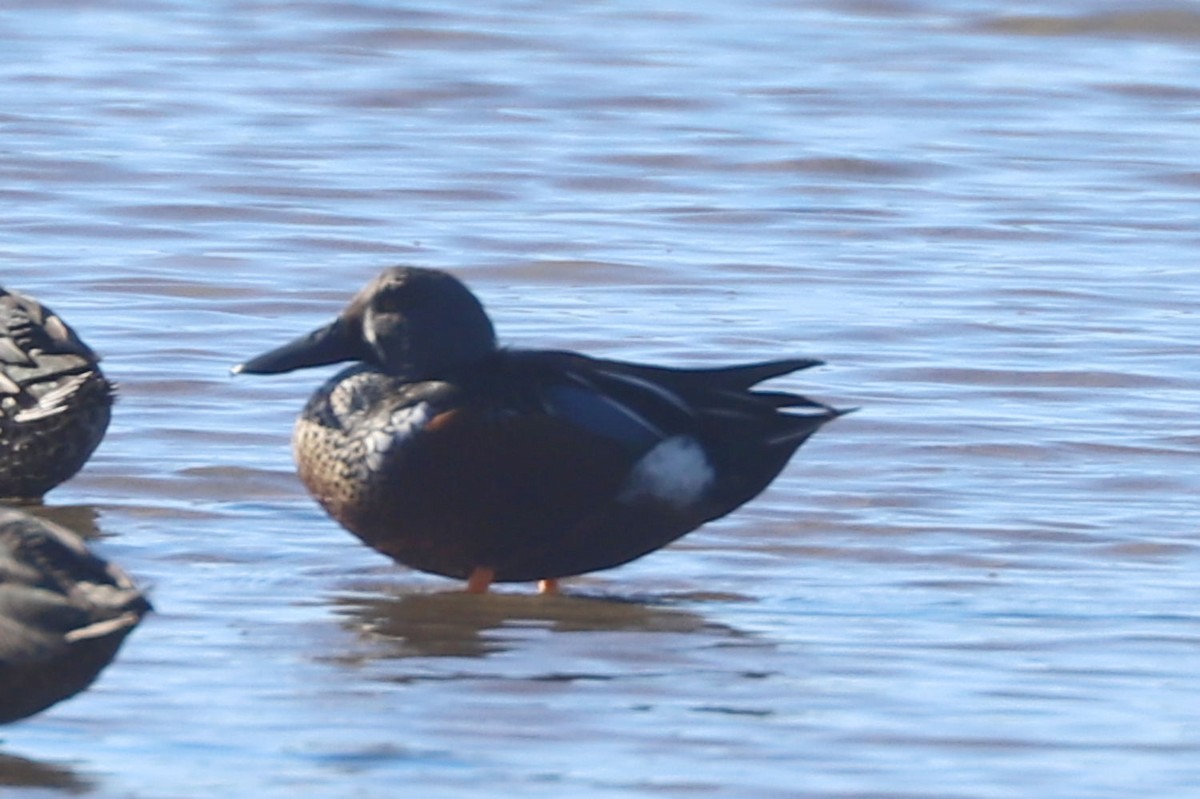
[{"x": 388, "y": 302}]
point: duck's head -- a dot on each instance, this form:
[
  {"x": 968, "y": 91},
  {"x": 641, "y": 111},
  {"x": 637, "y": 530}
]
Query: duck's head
[{"x": 416, "y": 323}]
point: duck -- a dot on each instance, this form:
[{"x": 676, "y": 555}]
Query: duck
[
  {"x": 64, "y": 613},
  {"x": 461, "y": 458},
  {"x": 55, "y": 402}
]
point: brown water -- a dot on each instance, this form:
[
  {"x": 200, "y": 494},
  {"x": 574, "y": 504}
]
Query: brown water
[{"x": 982, "y": 214}]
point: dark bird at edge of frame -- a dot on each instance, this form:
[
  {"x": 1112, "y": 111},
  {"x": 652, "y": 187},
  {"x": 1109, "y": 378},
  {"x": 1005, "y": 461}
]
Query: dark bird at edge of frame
[
  {"x": 64, "y": 613},
  {"x": 55, "y": 403}
]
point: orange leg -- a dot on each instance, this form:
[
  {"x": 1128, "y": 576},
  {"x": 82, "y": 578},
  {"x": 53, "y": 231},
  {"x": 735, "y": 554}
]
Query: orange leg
[
  {"x": 548, "y": 587},
  {"x": 480, "y": 580}
]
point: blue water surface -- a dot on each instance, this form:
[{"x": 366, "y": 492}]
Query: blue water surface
[{"x": 980, "y": 214}]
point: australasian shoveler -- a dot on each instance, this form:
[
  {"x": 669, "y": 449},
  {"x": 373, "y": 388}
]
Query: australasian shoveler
[
  {"x": 63, "y": 614},
  {"x": 55, "y": 404},
  {"x": 456, "y": 457}
]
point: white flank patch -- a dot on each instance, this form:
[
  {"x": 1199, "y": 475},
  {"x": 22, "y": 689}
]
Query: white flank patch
[{"x": 676, "y": 471}]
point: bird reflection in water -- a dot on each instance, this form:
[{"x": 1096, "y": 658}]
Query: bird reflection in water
[
  {"x": 18, "y": 772},
  {"x": 455, "y": 624}
]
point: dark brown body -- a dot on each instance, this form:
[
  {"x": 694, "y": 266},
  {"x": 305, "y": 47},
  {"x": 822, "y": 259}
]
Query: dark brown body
[{"x": 443, "y": 481}]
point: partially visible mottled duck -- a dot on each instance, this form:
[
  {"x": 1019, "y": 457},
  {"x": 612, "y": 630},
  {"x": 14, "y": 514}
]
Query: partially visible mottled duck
[
  {"x": 54, "y": 402},
  {"x": 63, "y": 614},
  {"x": 456, "y": 457}
]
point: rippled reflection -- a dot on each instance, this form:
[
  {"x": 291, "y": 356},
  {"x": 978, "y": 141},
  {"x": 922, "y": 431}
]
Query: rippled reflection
[
  {"x": 19, "y": 772},
  {"x": 457, "y": 624},
  {"x": 83, "y": 520}
]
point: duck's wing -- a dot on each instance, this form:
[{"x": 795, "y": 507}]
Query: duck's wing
[
  {"x": 642, "y": 406},
  {"x": 54, "y": 587},
  {"x": 27, "y": 327},
  {"x": 43, "y": 363}
]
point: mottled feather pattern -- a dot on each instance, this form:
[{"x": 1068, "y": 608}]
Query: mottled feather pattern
[{"x": 55, "y": 403}]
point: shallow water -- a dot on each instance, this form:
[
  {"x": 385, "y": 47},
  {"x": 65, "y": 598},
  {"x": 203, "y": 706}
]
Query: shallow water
[{"x": 981, "y": 214}]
